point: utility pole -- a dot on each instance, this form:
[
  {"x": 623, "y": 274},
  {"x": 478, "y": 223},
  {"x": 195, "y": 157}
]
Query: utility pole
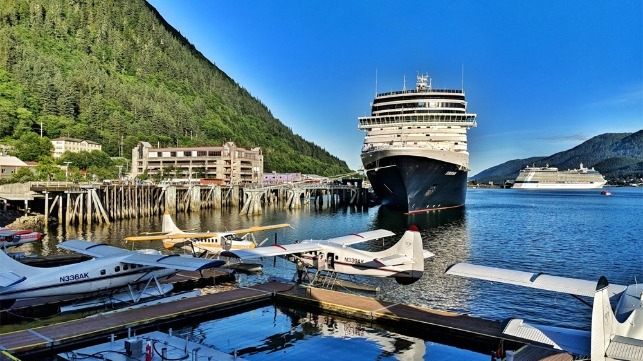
[{"x": 67, "y": 170}]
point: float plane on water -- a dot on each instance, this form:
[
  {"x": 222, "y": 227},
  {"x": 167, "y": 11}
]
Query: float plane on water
[
  {"x": 203, "y": 242},
  {"x": 404, "y": 261},
  {"x": 615, "y": 334},
  {"x": 15, "y": 237},
  {"x": 111, "y": 268}
]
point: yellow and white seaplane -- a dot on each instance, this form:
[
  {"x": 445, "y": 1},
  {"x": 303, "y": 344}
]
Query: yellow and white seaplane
[
  {"x": 404, "y": 261},
  {"x": 204, "y": 243}
]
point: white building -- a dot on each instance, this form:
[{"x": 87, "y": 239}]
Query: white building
[
  {"x": 9, "y": 165},
  {"x": 65, "y": 144}
]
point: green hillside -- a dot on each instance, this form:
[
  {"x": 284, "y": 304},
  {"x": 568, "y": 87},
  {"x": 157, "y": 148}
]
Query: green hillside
[
  {"x": 618, "y": 156},
  {"x": 111, "y": 70}
]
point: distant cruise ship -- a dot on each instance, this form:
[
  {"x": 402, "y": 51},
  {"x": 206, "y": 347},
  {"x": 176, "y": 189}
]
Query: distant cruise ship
[
  {"x": 551, "y": 178},
  {"x": 415, "y": 147}
]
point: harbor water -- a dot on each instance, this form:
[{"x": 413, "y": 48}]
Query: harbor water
[{"x": 580, "y": 234}]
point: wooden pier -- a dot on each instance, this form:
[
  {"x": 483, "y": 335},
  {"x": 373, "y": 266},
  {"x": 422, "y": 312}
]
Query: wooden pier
[
  {"x": 473, "y": 333},
  {"x": 89, "y": 203}
]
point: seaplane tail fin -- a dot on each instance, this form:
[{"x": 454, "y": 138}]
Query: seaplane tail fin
[
  {"x": 168, "y": 224},
  {"x": 603, "y": 321},
  {"x": 410, "y": 247}
]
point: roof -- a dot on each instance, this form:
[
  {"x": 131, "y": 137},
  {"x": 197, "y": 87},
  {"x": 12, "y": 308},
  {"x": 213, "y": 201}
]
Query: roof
[
  {"x": 11, "y": 161},
  {"x": 68, "y": 139}
]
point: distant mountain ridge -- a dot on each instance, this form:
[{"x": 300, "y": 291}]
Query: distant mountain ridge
[{"x": 618, "y": 156}]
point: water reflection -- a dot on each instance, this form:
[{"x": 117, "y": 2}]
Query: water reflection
[{"x": 289, "y": 334}]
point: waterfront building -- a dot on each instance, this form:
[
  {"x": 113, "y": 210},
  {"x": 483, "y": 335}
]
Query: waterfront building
[
  {"x": 66, "y": 144},
  {"x": 227, "y": 164},
  {"x": 9, "y": 165},
  {"x": 280, "y": 178}
]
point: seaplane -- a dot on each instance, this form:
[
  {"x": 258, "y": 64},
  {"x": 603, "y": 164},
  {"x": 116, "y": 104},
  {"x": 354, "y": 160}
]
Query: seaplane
[
  {"x": 110, "y": 268},
  {"x": 15, "y": 237},
  {"x": 404, "y": 261},
  {"x": 203, "y": 243},
  {"x": 615, "y": 334}
]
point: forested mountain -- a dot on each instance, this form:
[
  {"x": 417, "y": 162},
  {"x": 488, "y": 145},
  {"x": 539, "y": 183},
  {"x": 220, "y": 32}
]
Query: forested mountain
[
  {"x": 111, "y": 70},
  {"x": 618, "y": 156}
]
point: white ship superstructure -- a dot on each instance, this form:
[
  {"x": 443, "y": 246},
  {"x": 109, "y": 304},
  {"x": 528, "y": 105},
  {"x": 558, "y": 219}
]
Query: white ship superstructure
[
  {"x": 551, "y": 178},
  {"x": 415, "y": 147}
]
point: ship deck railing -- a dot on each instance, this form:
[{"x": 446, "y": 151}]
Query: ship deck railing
[
  {"x": 467, "y": 119},
  {"x": 411, "y": 91}
]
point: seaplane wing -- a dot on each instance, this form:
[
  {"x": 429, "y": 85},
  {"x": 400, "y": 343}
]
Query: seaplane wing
[
  {"x": 541, "y": 281},
  {"x": 259, "y": 228},
  {"x": 360, "y": 237},
  {"x": 92, "y": 249},
  {"x": 575, "y": 341},
  {"x": 172, "y": 261},
  {"x": 202, "y": 235},
  {"x": 147, "y": 237},
  {"x": 270, "y": 251}
]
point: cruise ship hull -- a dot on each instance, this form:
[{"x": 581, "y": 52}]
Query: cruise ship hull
[{"x": 416, "y": 184}]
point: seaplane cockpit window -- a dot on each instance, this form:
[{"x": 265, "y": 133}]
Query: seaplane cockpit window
[
  {"x": 117, "y": 269},
  {"x": 125, "y": 267},
  {"x": 133, "y": 266},
  {"x": 102, "y": 272}
]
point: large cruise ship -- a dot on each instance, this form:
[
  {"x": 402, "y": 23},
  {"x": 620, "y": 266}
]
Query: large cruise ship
[
  {"x": 551, "y": 178},
  {"x": 415, "y": 148}
]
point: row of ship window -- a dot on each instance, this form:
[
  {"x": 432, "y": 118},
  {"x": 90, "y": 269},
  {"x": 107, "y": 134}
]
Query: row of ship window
[{"x": 418, "y": 105}]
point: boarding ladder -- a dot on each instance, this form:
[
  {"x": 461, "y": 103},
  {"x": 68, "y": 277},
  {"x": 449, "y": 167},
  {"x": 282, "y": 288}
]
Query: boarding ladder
[{"x": 325, "y": 279}]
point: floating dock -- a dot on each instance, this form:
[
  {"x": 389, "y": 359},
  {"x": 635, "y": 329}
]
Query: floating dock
[
  {"x": 157, "y": 344},
  {"x": 439, "y": 326}
]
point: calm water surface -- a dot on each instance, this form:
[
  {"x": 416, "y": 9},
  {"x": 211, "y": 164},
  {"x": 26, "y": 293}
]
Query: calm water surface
[{"x": 579, "y": 234}]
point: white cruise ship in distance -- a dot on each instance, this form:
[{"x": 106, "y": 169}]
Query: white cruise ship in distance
[
  {"x": 415, "y": 148},
  {"x": 551, "y": 178}
]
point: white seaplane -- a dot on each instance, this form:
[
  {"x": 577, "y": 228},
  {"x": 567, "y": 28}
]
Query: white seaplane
[
  {"x": 204, "y": 242},
  {"x": 111, "y": 268},
  {"x": 404, "y": 261},
  {"x": 615, "y": 334}
]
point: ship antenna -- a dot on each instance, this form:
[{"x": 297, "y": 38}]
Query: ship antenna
[
  {"x": 375, "y": 82},
  {"x": 463, "y": 78},
  {"x": 404, "y": 87}
]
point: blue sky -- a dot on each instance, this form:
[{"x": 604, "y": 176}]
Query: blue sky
[{"x": 542, "y": 76}]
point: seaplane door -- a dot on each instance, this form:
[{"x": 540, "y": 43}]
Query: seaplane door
[{"x": 330, "y": 260}]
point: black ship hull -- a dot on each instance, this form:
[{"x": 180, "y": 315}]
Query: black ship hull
[{"x": 416, "y": 184}]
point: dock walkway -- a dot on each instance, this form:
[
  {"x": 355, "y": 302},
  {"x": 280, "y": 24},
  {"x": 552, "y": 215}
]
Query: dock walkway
[{"x": 439, "y": 326}]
